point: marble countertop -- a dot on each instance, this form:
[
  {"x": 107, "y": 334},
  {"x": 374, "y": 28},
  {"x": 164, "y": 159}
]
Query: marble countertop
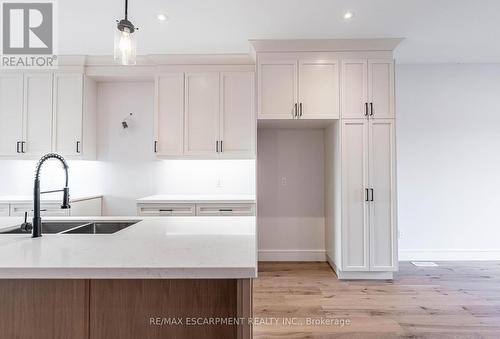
[
  {"x": 197, "y": 198},
  {"x": 153, "y": 248},
  {"x": 47, "y": 198}
]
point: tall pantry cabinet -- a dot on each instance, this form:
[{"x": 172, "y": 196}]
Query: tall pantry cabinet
[
  {"x": 368, "y": 167},
  {"x": 347, "y": 88}
]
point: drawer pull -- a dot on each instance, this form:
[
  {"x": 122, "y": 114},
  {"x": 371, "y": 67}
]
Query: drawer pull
[
  {"x": 225, "y": 209},
  {"x": 169, "y": 210}
]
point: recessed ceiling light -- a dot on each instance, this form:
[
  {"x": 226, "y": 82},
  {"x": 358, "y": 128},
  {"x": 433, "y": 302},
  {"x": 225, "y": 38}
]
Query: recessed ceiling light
[
  {"x": 348, "y": 15},
  {"x": 161, "y": 17}
]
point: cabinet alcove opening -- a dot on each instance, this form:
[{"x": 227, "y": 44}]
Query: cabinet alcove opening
[{"x": 291, "y": 182}]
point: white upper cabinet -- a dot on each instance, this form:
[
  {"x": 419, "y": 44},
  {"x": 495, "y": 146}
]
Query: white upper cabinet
[
  {"x": 354, "y": 88},
  {"x": 205, "y": 115},
  {"x": 37, "y": 113},
  {"x": 11, "y": 114},
  {"x": 169, "y": 114},
  {"x": 318, "y": 89},
  {"x": 46, "y": 112},
  {"x": 68, "y": 113},
  {"x": 294, "y": 86},
  {"x": 277, "y": 89},
  {"x": 237, "y": 117},
  {"x": 367, "y": 88},
  {"x": 381, "y": 88},
  {"x": 201, "y": 113}
]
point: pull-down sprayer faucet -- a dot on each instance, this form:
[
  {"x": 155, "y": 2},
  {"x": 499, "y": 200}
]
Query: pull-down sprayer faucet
[{"x": 37, "y": 220}]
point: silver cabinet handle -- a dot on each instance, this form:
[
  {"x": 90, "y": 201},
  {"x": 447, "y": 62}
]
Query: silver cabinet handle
[
  {"x": 217, "y": 146},
  {"x": 78, "y": 147},
  {"x": 221, "y": 149},
  {"x": 371, "y": 189},
  {"x": 300, "y": 109},
  {"x": 366, "y": 109},
  {"x": 295, "y": 112},
  {"x": 17, "y": 147},
  {"x": 371, "y": 109}
]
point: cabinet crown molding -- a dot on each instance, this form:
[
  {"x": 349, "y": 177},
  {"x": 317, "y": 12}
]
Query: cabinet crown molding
[{"x": 324, "y": 45}]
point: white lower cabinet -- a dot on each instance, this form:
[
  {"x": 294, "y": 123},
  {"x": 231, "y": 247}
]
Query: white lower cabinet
[
  {"x": 225, "y": 209},
  {"x": 4, "y": 210},
  {"x": 368, "y": 195},
  {"x": 80, "y": 208},
  {"x": 198, "y": 209},
  {"x": 46, "y": 209},
  {"x": 166, "y": 209}
]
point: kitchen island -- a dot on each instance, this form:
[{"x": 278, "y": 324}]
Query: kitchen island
[{"x": 176, "y": 277}]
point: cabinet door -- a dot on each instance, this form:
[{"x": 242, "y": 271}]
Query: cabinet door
[
  {"x": 46, "y": 209},
  {"x": 381, "y": 87},
  {"x": 354, "y": 88},
  {"x": 277, "y": 90},
  {"x": 68, "y": 113},
  {"x": 355, "y": 231},
  {"x": 169, "y": 113},
  {"x": 383, "y": 256},
  {"x": 237, "y": 118},
  {"x": 225, "y": 209},
  {"x": 319, "y": 89},
  {"x": 166, "y": 209},
  {"x": 201, "y": 114},
  {"x": 4, "y": 210},
  {"x": 38, "y": 113},
  {"x": 11, "y": 113}
]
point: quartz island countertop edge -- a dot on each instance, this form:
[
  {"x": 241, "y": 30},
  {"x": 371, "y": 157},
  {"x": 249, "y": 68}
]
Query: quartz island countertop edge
[{"x": 153, "y": 248}]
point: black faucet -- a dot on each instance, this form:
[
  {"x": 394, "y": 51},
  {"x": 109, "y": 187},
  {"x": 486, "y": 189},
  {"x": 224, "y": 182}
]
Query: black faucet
[{"x": 37, "y": 221}]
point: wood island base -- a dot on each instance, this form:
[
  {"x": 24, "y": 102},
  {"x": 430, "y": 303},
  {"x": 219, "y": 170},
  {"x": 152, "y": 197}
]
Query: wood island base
[{"x": 125, "y": 308}]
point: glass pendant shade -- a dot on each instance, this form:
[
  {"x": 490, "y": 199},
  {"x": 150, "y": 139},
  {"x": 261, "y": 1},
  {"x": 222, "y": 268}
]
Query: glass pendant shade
[{"x": 125, "y": 47}]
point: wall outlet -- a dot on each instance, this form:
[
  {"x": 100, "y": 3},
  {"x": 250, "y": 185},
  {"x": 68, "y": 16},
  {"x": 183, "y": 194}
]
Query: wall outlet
[
  {"x": 283, "y": 181},
  {"x": 219, "y": 183}
]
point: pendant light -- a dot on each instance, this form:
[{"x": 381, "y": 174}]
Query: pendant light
[{"x": 125, "y": 40}]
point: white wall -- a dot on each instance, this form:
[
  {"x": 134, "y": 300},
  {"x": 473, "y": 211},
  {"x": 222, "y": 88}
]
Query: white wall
[
  {"x": 448, "y": 149},
  {"x": 16, "y": 176},
  {"x": 291, "y": 222}
]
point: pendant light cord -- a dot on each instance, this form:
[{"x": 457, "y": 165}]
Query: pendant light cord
[{"x": 126, "y": 9}]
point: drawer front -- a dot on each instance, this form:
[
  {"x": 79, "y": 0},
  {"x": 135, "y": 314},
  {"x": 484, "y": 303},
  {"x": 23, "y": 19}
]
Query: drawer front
[
  {"x": 166, "y": 209},
  {"x": 225, "y": 209},
  {"x": 48, "y": 210},
  {"x": 4, "y": 210}
]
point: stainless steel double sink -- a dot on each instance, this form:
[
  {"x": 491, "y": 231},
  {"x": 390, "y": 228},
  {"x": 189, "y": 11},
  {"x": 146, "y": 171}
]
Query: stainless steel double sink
[{"x": 77, "y": 227}]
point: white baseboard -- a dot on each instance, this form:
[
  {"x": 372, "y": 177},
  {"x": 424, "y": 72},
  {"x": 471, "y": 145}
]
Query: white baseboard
[
  {"x": 449, "y": 255},
  {"x": 292, "y": 255}
]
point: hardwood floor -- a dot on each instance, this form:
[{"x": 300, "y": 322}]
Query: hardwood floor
[{"x": 454, "y": 300}]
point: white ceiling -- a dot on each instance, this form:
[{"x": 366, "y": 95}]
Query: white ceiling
[{"x": 435, "y": 30}]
